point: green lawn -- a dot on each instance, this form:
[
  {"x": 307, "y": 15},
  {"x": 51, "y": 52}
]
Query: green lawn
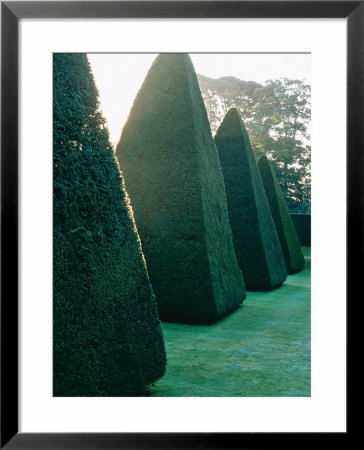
[{"x": 262, "y": 349}]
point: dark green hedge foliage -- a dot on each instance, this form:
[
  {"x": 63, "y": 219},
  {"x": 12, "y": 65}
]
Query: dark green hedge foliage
[
  {"x": 292, "y": 253},
  {"x": 302, "y": 224},
  {"x": 256, "y": 242},
  {"x": 107, "y": 333},
  {"x": 172, "y": 174}
]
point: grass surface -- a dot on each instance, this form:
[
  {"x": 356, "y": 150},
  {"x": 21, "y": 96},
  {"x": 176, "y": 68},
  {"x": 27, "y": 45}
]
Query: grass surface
[{"x": 260, "y": 350}]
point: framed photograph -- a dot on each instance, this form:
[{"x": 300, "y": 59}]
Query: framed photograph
[{"x": 137, "y": 309}]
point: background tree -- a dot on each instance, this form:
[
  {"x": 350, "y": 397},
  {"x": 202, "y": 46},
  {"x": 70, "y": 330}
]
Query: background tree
[
  {"x": 279, "y": 129},
  {"x": 221, "y": 94},
  {"x": 277, "y": 117}
]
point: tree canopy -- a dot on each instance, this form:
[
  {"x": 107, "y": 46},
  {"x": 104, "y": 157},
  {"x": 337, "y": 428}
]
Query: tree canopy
[{"x": 277, "y": 117}]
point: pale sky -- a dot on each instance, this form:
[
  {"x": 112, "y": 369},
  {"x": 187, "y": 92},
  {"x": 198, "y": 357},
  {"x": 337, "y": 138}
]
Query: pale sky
[{"x": 119, "y": 76}]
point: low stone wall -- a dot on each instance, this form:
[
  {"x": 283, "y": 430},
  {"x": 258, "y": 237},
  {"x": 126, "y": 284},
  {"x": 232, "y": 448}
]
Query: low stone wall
[{"x": 302, "y": 223}]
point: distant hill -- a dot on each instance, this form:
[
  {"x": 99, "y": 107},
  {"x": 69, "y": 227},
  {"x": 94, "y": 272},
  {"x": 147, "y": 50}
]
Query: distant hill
[{"x": 228, "y": 82}]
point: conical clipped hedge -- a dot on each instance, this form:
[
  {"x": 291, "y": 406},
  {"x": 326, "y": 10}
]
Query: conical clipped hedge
[
  {"x": 302, "y": 225},
  {"x": 172, "y": 174},
  {"x": 107, "y": 333},
  {"x": 256, "y": 242},
  {"x": 286, "y": 232}
]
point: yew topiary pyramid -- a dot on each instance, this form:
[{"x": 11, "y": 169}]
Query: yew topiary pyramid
[
  {"x": 256, "y": 242},
  {"x": 172, "y": 174},
  {"x": 293, "y": 255},
  {"x": 107, "y": 334}
]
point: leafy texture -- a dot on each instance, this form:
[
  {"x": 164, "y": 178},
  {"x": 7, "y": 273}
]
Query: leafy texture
[
  {"x": 107, "y": 335},
  {"x": 256, "y": 242},
  {"x": 280, "y": 130},
  {"x": 222, "y": 94},
  {"x": 292, "y": 253},
  {"x": 174, "y": 180}
]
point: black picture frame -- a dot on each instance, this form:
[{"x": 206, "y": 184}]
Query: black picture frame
[{"x": 11, "y": 12}]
